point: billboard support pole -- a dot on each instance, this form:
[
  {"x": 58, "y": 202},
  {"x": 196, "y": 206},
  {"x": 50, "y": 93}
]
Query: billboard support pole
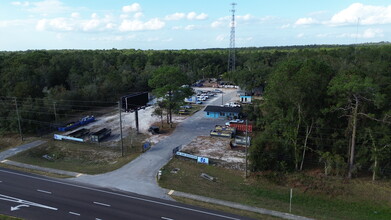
[
  {"x": 136, "y": 117},
  {"x": 120, "y": 128}
]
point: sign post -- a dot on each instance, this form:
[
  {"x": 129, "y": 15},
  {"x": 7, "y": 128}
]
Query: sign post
[{"x": 290, "y": 201}]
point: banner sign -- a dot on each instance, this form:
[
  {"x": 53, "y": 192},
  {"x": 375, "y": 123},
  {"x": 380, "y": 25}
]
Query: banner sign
[
  {"x": 61, "y": 137},
  {"x": 186, "y": 155}
]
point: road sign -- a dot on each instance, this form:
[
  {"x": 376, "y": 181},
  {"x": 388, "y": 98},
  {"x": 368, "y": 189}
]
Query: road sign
[{"x": 204, "y": 160}]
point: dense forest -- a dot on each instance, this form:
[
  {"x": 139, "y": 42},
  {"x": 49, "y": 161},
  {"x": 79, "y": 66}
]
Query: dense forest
[{"x": 321, "y": 105}]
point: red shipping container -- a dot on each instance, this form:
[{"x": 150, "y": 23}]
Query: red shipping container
[{"x": 242, "y": 127}]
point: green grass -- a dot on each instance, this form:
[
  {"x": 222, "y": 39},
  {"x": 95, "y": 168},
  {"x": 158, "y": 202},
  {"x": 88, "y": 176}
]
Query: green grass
[
  {"x": 8, "y": 141},
  {"x": 224, "y": 209},
  {"x": 82, "y": 157},
  {"x": 5, "y": 217},
  {"x": 312, "y": 197},
  {"x": 42, "y": 173}
]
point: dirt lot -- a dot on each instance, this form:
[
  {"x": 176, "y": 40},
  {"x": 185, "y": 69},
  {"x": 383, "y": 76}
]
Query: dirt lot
[
  {"x": 216, "y": 148},
  {"x": 112, "y": 120}
]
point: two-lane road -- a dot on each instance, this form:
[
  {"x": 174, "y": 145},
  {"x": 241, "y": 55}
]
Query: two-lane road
[{"x": 33, "y": 197}]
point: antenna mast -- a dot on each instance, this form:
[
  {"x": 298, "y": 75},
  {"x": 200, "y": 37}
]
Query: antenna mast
[{"x": 231, "y": 58}]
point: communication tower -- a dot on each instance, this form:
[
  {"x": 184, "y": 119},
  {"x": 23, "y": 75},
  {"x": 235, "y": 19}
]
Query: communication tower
[{"x": 231, "y": 56}]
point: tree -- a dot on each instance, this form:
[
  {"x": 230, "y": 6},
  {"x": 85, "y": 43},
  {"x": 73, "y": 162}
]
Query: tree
[
  {"x": 353, "y": 94},
  {"x": 294, "y": 97},
  {"x": 169, "y": 83}
]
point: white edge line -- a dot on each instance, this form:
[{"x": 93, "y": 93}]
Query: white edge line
[
  {"x": 43, "y": 191},
  {"x": 165, "y": 218},
  {"x": 123, "y": 195},
  {"x": 74, "y": 213},
  {"x": 102, "y": 204}
]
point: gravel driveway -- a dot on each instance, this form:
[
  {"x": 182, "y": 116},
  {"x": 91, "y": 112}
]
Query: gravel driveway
[{"x": 139, "y": 176}]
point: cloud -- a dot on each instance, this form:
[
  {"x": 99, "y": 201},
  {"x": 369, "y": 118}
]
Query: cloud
[
  {"x": 365, "y": 14},
  {"x": 306, "y": 21},
  {"x": 220, "y": 37},
  {"x": 301, "y": 35},
  {"x": 190, "y": 16},
  {"x": 75, "y": 23},
  {"x": 216, "y": 24},
  {"x": 241, "y": 19},
  {"x": 15, "y": 23},
  {"x": 201, "y": 16},
  {"x": 23, "y": 4},
  {"x": 176, "y": 28},
  {"x": 114, "y": 38},
  {"x": 366, "y": 34},
  {"x": 137, "y": 25},
  {"x": 48, "y": 7},
  {"x": 175, "y": 16},
  {"x": 246, "y": 17},
  {"x": 190, "y": 27},
  {"x": 138, "y": 15},
  {"x": 135, "y": 7},
  {"x": 56, "y": 24},
  {"x": 75, "y": 15}
]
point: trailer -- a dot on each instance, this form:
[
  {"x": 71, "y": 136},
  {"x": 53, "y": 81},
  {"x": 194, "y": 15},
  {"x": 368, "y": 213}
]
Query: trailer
[
  {"x": 100, "y": 135},
  {"x": 79, "y": 133},
  {"x": 225, "y": 128},
  {"x": 228, "y": 134},
  {"x": 72, "y": 125}
]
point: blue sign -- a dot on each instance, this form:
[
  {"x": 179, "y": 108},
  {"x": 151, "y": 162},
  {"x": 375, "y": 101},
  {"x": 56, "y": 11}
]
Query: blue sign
[{"x": 204, "y": 160}]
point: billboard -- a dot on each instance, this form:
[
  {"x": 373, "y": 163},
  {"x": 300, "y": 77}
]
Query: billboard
[{"x": 134, "y": 101}]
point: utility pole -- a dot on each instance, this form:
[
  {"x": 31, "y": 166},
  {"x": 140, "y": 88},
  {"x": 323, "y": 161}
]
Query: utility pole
[
  {"x": 55, "y": 112},
  {"x": 120, "y": 128},
  {"x": 17, "y": 113},
  {"x": 246, "y": 144}
]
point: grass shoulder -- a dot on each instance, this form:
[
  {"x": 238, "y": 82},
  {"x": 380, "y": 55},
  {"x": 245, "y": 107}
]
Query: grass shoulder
[
  {"x": 5, "y": 217},
  {"x": 315, "y": 197},
  {"x": 82, "y": 157},
  {"x": 224, "y": 209}
]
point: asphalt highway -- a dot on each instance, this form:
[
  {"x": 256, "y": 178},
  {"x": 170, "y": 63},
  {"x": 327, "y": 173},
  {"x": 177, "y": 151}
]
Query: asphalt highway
[{"x": 34, "y": 197}]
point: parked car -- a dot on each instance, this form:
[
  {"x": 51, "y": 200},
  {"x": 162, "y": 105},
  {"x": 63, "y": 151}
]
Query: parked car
[
  {"x": 186, "y": 106},
  {"x": 237, "y": 121},
  {"x": 154, "y": 129}
]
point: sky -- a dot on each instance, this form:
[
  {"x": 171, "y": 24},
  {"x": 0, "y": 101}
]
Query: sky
[{"x": 191, "y": 24}]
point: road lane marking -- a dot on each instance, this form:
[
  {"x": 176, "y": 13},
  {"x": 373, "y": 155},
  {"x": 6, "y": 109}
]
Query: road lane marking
[
  {"x": 18, "y": 207},
  {"x": 102, "y": 204},
  {"x": 121, "y": 195},
  {"x": 78, "y": 175},
  {"x": 4, "y": 161},
  {"x": 25, "y": 202},
  {"x": 98, "y": 219},
  {"x": 171, "y": 192},
  {"x": 165, "y": 218},
  {"x": 43, "y": 191},
  {"x": 74, "y": 213}
]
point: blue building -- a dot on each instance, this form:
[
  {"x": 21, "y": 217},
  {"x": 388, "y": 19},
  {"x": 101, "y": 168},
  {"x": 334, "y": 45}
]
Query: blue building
[
  {"x": 212, "y": 111},
  {"x": 245, "y": 98}
]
